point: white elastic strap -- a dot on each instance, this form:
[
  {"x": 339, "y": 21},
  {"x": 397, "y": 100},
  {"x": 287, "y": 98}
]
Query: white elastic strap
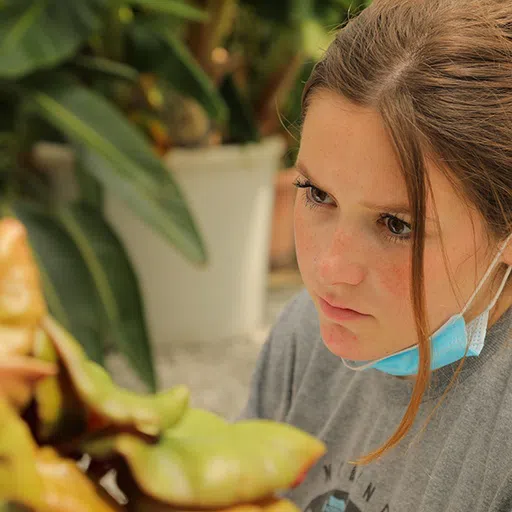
[
  {"x": 358, "y": 368},
  {"x": 503, "y": 283},
  {"x": 367, "y": 365},
  {"x": 487, "y": 274}
]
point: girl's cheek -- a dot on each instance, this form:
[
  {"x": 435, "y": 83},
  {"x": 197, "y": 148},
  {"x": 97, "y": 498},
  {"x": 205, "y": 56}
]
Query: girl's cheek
[
  {"x": 307, "y": 244},
  {"x": 395, "y": 280},
  {"x": 304, "y": 244}
]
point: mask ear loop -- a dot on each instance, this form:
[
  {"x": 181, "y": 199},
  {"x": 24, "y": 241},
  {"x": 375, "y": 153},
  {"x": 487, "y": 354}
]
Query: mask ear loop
[
  {"x": 502, "y": 286},
  {"x": 371, "y": 363},
  {"x": 487, "y": 274},
  {"x": 483, "y": 280},
  {"x": 359, "y": 368}
]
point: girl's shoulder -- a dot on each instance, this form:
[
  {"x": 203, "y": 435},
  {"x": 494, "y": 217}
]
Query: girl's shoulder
[
  {"x": 298, "y": 318},
  {"x": 296, "y": 335}
]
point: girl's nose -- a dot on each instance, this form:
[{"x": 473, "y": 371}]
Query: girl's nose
[{"x": 341, "y": 261}]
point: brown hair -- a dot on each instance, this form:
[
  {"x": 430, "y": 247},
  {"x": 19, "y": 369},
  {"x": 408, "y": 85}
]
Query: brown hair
[{"x": 440, "y": 74}]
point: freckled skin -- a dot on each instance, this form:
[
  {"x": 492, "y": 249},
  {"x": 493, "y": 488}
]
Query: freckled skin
[{"x": 342, "y": 250}]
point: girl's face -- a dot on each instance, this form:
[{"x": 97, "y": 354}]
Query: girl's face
[{"x": 353, "y": 236}]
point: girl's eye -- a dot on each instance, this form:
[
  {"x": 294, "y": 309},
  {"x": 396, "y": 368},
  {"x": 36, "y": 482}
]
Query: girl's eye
[
  {"x": 314, "y": 196},
  {"x": 318, "y": 196},
  {"x": 396, "y": 228}
]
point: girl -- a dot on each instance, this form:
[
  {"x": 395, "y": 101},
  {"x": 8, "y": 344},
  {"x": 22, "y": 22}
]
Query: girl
[{"x": 397, "y": 353}]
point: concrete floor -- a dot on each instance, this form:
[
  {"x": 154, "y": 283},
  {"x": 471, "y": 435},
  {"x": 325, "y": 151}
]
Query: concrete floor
[{"x": 217, "y": 374}]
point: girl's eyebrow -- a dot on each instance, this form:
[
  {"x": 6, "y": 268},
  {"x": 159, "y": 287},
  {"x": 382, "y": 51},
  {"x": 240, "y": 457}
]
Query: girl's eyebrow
[{"x": 393, "y": 208}]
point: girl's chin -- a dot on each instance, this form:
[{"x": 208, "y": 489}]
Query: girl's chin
[
  {"x": 344, "y": 343},
  {"x": 340, "y": 341}
]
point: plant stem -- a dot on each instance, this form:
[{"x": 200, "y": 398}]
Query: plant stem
[{"x": 113, "y": 34}]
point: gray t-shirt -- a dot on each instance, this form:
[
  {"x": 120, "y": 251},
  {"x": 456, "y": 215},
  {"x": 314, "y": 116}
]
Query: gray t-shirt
[{"x": 462, "y": 462}]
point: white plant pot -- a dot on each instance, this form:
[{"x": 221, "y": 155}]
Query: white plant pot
[{"x": 229, "y": 190}]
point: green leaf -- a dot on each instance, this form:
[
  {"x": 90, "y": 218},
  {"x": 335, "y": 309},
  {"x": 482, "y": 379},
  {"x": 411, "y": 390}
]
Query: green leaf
[
  {"x": 120, "y": 158},
  {"x": 36, "y": 34},
  {"x": 110, "y": 404},
  {"x": 68, "y": 287},
  {"x": 242, "y": 125},
  {"x": 205, "y": 462},
  {"x": 105, "y": 68},
  {"x": 116, "y": 283},
  {"x": 174, "y": 7},
  {"x": 91, "y": 190},
  {"x": 158, "y": 51}
]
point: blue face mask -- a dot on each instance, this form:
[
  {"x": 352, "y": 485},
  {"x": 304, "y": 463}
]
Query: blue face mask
[{"x": 449, "y": 342}]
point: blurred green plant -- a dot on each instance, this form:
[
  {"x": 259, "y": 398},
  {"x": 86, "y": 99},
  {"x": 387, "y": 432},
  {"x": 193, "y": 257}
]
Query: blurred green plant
[
  {"x": 257, "y": 53},
  {"x": 300, "y": 32},
  {"x": 59, "y": 64},
  {"x": 122, "y": 82}
]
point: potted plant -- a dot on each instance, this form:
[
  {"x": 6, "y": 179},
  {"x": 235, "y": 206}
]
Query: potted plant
[
  {"x": 254, "y": 53},
  {"x": 65, "y": 426}
]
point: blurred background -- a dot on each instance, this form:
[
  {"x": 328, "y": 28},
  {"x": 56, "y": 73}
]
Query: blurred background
[{"x": 148, "y": 147}]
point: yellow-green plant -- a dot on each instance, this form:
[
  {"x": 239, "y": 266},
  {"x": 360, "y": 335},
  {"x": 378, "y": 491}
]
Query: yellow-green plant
[{"x": 57, "y": 406}]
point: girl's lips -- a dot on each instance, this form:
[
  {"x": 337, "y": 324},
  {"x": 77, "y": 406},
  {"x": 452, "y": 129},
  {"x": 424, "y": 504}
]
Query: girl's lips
[{"x": 339, "y": 314}]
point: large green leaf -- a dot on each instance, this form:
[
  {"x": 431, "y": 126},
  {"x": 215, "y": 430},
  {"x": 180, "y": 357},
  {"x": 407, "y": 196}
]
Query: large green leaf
[
  {"x": 91, "y": 190},
  {"x": 104, "y": 68},
  {"x": 36, "y": 34},
  {"x": 205, "y": 462},
  {"x": 116, "y": 283},
  {"x": 156, "y": 50},
  {"x": 120, "y": 157},
  {"x": 177, "y": 8},
  {"x": 108, "y": 404},
  {"x": 68, "y": 287}
]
